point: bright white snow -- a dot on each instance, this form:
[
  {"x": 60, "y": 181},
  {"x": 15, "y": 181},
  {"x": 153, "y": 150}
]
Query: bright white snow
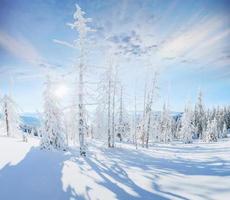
[{"x": 176, "y": 171}]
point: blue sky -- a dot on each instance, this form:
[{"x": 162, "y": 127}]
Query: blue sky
[{"x": 186, "y": 41}]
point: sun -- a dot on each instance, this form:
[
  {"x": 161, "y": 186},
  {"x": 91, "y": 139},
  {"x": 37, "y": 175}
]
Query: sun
[{"x": 61, "y": 91}]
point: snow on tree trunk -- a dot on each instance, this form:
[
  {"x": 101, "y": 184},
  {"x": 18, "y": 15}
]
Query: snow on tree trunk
[
  {"x": 149, "y": 108},
  {"x": 10, "y": 118},
  {"x": 135, "y": 121},
  {"x": 120, "y": 129},
  {"x": 109, "y": 114},
  {"x": 143, "y": 123},
  {"x": 81, "y": 124},
  {"x": 113, "y": 114}
]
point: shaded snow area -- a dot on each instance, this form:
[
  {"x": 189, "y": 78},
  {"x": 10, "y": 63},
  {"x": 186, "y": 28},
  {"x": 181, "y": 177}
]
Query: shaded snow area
[{"x": 176, "y": 171}]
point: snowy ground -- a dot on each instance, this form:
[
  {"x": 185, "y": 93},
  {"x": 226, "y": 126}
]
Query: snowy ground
[{"x": 196, "y": 171}]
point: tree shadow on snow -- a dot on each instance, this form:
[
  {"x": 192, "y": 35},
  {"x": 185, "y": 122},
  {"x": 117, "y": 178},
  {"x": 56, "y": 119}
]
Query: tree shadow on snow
[
  {"x": 154, "y": 167},
  {"x": 30, "y": 179},
  {"x": 135, "y": 158},
  {"x": 188, "y": 148},
  {"x": 113, "y": 176}
]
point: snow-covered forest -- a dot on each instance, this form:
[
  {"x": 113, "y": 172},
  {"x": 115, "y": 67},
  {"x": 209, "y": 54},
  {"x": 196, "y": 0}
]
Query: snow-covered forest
[{"x": 103, "y": 142}]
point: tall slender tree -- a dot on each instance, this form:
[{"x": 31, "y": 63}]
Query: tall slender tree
[
  {"x": 149, "y": 105},
  {"x": 106, "y": 102},
  {"x": 80, "y": 24},
  {"x": 114, "y": 104},
  {"x": 135, "y": 121},
  {"x": 123, "y": 127},
  {"x": 199, "y": 116},
  {"x": 143, "y": 122},
  {"x": 165, "y": 125}
]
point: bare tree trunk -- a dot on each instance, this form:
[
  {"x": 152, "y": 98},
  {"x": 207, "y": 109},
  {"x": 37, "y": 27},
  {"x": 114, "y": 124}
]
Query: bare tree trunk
[
  {"x": 135, "y": 118},
  {"x": 144, "y": 115},
  {"x": 148, "y": 129},
  {"x": 109, "y": 128},
  {"x": 121, "y": 117},
  {"x": 149, "y": 109},
  {"x": 81, "y": 112},
  {"x": 113, "y": 117},
  {"x": 7, "y": 121}
]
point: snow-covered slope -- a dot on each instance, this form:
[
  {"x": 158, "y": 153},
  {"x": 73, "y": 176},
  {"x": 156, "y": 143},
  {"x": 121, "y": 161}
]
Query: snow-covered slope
[{"x": 177, "y": 171}]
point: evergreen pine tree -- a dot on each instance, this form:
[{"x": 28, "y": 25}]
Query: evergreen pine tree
[{"x": 53, "y": 135}]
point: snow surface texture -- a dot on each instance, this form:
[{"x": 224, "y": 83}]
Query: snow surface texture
[{"x": 176, "y": 171}]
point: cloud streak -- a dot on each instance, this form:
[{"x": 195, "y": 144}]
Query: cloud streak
[
  {"x": 190, "y": 40},
  {"x": 20, "y": 48}
]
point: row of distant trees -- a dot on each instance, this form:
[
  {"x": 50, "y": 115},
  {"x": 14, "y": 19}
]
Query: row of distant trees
[
  {"x": 196, "y": 122},
  {"x": 59, "y": 129}
]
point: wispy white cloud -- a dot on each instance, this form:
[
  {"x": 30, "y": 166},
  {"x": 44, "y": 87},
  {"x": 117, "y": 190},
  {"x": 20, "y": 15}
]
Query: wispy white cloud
[
  {"x": 20, "y": 48},
  {"x": 192, "y": 39},
  {"x": 200, "y": 45}
]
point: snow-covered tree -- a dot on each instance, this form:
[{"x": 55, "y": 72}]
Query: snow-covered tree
[
  {"x": 176, "y": 125},
  {"x": 100, "y": 122},
  {"x": 10, "y": 117},
  {"x": 187, "y": 128},
  {"x": 113, "y": 115},
  {"x": 147, "y": 121},
  {"x": 218, "y": 113},
  {"x": 155, "y": 128},
  {"x": 199, "y": 116},
  {"x": 80, "y": 24},
  {"x": 142, "y": 124},
  {"x": 165, "y": 125},
  {"x": 109, "y": 107},
  {"x": 211, "y": 132},
  {"x": 134, "y": 123},
  {"x": 106, "y": 109},
  {"x": 227, "y": 116},
  {"x": 151, "y": 98},
  {"x": 220, "y": 121},
  {"x": 71, "y": 116},
  {"x": 53, "y": 132},
  {"x": 224, "y": 131},
  {"x": 123, "y": 126}
]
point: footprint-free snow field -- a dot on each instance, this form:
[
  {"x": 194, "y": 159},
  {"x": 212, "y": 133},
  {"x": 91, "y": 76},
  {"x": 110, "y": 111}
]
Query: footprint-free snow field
[{"x": 176, "y": 171}]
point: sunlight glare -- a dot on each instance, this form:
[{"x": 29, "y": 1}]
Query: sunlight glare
[{"x": 61, "y": 91}]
